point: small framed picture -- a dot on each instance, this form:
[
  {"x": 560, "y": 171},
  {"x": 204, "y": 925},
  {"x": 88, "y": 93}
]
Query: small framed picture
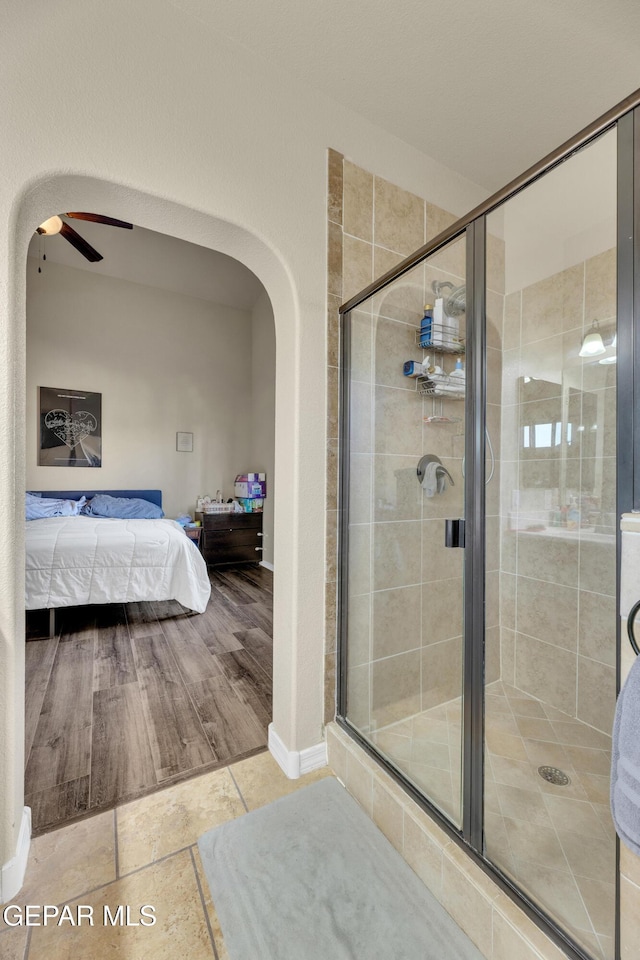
[{"x": 184, "y": 442}]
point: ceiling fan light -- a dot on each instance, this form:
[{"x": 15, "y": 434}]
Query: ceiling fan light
[{"x": 50, "y": 227}]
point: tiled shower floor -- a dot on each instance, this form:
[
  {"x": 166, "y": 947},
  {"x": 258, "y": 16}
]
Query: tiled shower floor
[{"x": 556, "y": 842}]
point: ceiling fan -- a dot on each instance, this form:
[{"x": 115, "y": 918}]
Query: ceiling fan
[{"x": 57, "y": 225}]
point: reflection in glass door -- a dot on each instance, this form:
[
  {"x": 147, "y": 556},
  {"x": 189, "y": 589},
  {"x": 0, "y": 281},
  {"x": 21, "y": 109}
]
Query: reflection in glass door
[
  {"x": 405, "y": 587},
  {"x": 551, "y": 539}
]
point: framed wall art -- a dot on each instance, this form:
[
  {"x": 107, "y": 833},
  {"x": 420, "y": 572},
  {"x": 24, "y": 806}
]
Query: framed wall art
[{"x": 70, "y": 428}]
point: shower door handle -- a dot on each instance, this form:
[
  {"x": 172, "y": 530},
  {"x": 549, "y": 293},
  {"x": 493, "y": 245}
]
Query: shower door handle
[
  {"x": 633, "y": 613},
  {"x": 454, "y": 533}
]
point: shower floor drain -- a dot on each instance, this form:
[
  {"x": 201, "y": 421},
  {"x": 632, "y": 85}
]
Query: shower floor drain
[{"x": 554, "y": 775}]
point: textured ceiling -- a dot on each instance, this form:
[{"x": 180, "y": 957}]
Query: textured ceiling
[{"x": 486, "y": 87}]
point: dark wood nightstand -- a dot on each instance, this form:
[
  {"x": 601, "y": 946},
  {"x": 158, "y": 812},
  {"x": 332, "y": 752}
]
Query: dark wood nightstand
[{"x": 231, "y": 538}]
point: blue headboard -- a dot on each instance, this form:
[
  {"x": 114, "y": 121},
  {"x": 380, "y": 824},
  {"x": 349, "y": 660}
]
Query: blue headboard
[{"x": 154, "y": 496}]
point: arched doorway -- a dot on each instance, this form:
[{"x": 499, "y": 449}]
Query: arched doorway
[{"x": 297, "y": 705}]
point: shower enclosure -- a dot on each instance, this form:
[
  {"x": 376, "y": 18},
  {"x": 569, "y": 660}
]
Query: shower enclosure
[{"x": 478, "y": 560}]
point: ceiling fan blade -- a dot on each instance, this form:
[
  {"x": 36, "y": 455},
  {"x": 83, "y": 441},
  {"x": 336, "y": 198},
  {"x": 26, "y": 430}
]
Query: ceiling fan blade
[
  {"x": 98, "y": 218},
  {"x": 79, "y": 243}
]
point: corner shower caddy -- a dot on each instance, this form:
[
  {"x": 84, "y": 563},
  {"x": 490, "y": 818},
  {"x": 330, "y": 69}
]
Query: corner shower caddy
[{"x": 431, "y": 386}]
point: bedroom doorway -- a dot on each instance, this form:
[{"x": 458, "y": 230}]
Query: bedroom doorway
[{"x": 126, "y": 698}]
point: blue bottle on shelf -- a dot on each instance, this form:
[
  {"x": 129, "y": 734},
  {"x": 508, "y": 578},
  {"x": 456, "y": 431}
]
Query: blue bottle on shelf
[{"x": 426, "y": 326}]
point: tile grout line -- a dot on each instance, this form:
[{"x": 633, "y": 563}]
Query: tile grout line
[
  {"x": 204, "y": 907},
  {"x": 27, "y": 945},
  {"x": 145, "y": 866},
  {"x": 123, "y": 876},
  {"x": 244, "y": 803},
  {"x": 115, "y": 840},
  {"x": 103, "y": 886}
]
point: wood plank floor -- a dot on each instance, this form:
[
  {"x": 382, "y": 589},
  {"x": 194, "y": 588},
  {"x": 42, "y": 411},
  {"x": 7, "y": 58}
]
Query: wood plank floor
[{"x": 127, "y": 698}]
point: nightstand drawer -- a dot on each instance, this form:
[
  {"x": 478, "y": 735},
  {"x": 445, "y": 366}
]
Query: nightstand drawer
[
  {"x": 232, "y": 521},
  {"x": 230, "y": 538},
  {"x": 215, "y": 555}
]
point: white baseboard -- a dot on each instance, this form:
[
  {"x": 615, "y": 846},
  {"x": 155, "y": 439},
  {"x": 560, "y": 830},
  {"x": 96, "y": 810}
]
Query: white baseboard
[
  {"x": 265, "y": 563},
  {"x": 295, "y": 763},
  {"x": 13, "y": 871},
  {"x": 313, "y": 758}
]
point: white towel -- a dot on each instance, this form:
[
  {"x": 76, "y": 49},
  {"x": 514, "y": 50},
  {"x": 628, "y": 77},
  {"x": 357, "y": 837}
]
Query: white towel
[
  {"x": 434, "y": 479},
  {"x": 457, "y": 389}
]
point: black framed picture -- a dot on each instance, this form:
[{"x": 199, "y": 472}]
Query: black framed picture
[{"x": 70, "y": 428}]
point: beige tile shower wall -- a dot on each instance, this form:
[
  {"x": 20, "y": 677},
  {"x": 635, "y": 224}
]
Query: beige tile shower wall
[
  {"x": 374, "y": 224},
  {"x": 558, "y": 585},
  {"x": 400, "y": 574},
  {"x": 417, "y": 586}
]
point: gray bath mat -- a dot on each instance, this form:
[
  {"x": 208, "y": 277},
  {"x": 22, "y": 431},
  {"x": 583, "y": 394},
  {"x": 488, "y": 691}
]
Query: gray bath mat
[{"x": 310, "y": 877}]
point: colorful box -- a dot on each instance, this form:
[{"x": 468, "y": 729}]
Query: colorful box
[
  {"x": 251, "y": 504},
  {"x": 250, "y": 486}
]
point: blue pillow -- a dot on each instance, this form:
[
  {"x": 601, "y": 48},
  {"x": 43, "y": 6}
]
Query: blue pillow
[
  {"x": 38, "y": 507},
  {"x": 122, "y": 508}
]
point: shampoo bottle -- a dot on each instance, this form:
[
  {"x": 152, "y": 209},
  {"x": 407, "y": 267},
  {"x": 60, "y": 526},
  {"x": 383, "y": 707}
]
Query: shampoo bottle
[
  {"x": 451, "y": 327},
  {"x": 426, "y": 326},
  {"x": 437, "y": 336}
]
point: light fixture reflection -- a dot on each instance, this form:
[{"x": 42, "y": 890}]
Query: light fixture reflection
[{"x": 592, "y": 344}]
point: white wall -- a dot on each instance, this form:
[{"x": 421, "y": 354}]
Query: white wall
[
  {"x": 566, "y": 217},
  {"x": 158, "y": 120},
  {"x": 263, "y": 410},
  {"x": 162, "y": 361}
]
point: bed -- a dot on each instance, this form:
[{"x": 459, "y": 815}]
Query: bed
[{"x": 75, "y": 560}]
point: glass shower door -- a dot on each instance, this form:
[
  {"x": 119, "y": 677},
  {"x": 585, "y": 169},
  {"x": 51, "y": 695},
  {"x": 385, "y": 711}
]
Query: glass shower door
[
  {"x": 551, "y": 545},
  {"x": 404, "y": 586},
  {"x": 486, "y": 677}
]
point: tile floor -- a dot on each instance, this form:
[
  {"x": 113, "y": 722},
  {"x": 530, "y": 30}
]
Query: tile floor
[
  {"x": 143, "y": 852},
  {"x": 556, "y": 842}
]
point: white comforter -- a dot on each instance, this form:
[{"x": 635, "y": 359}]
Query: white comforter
[{"x": 78, "y": 560}]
